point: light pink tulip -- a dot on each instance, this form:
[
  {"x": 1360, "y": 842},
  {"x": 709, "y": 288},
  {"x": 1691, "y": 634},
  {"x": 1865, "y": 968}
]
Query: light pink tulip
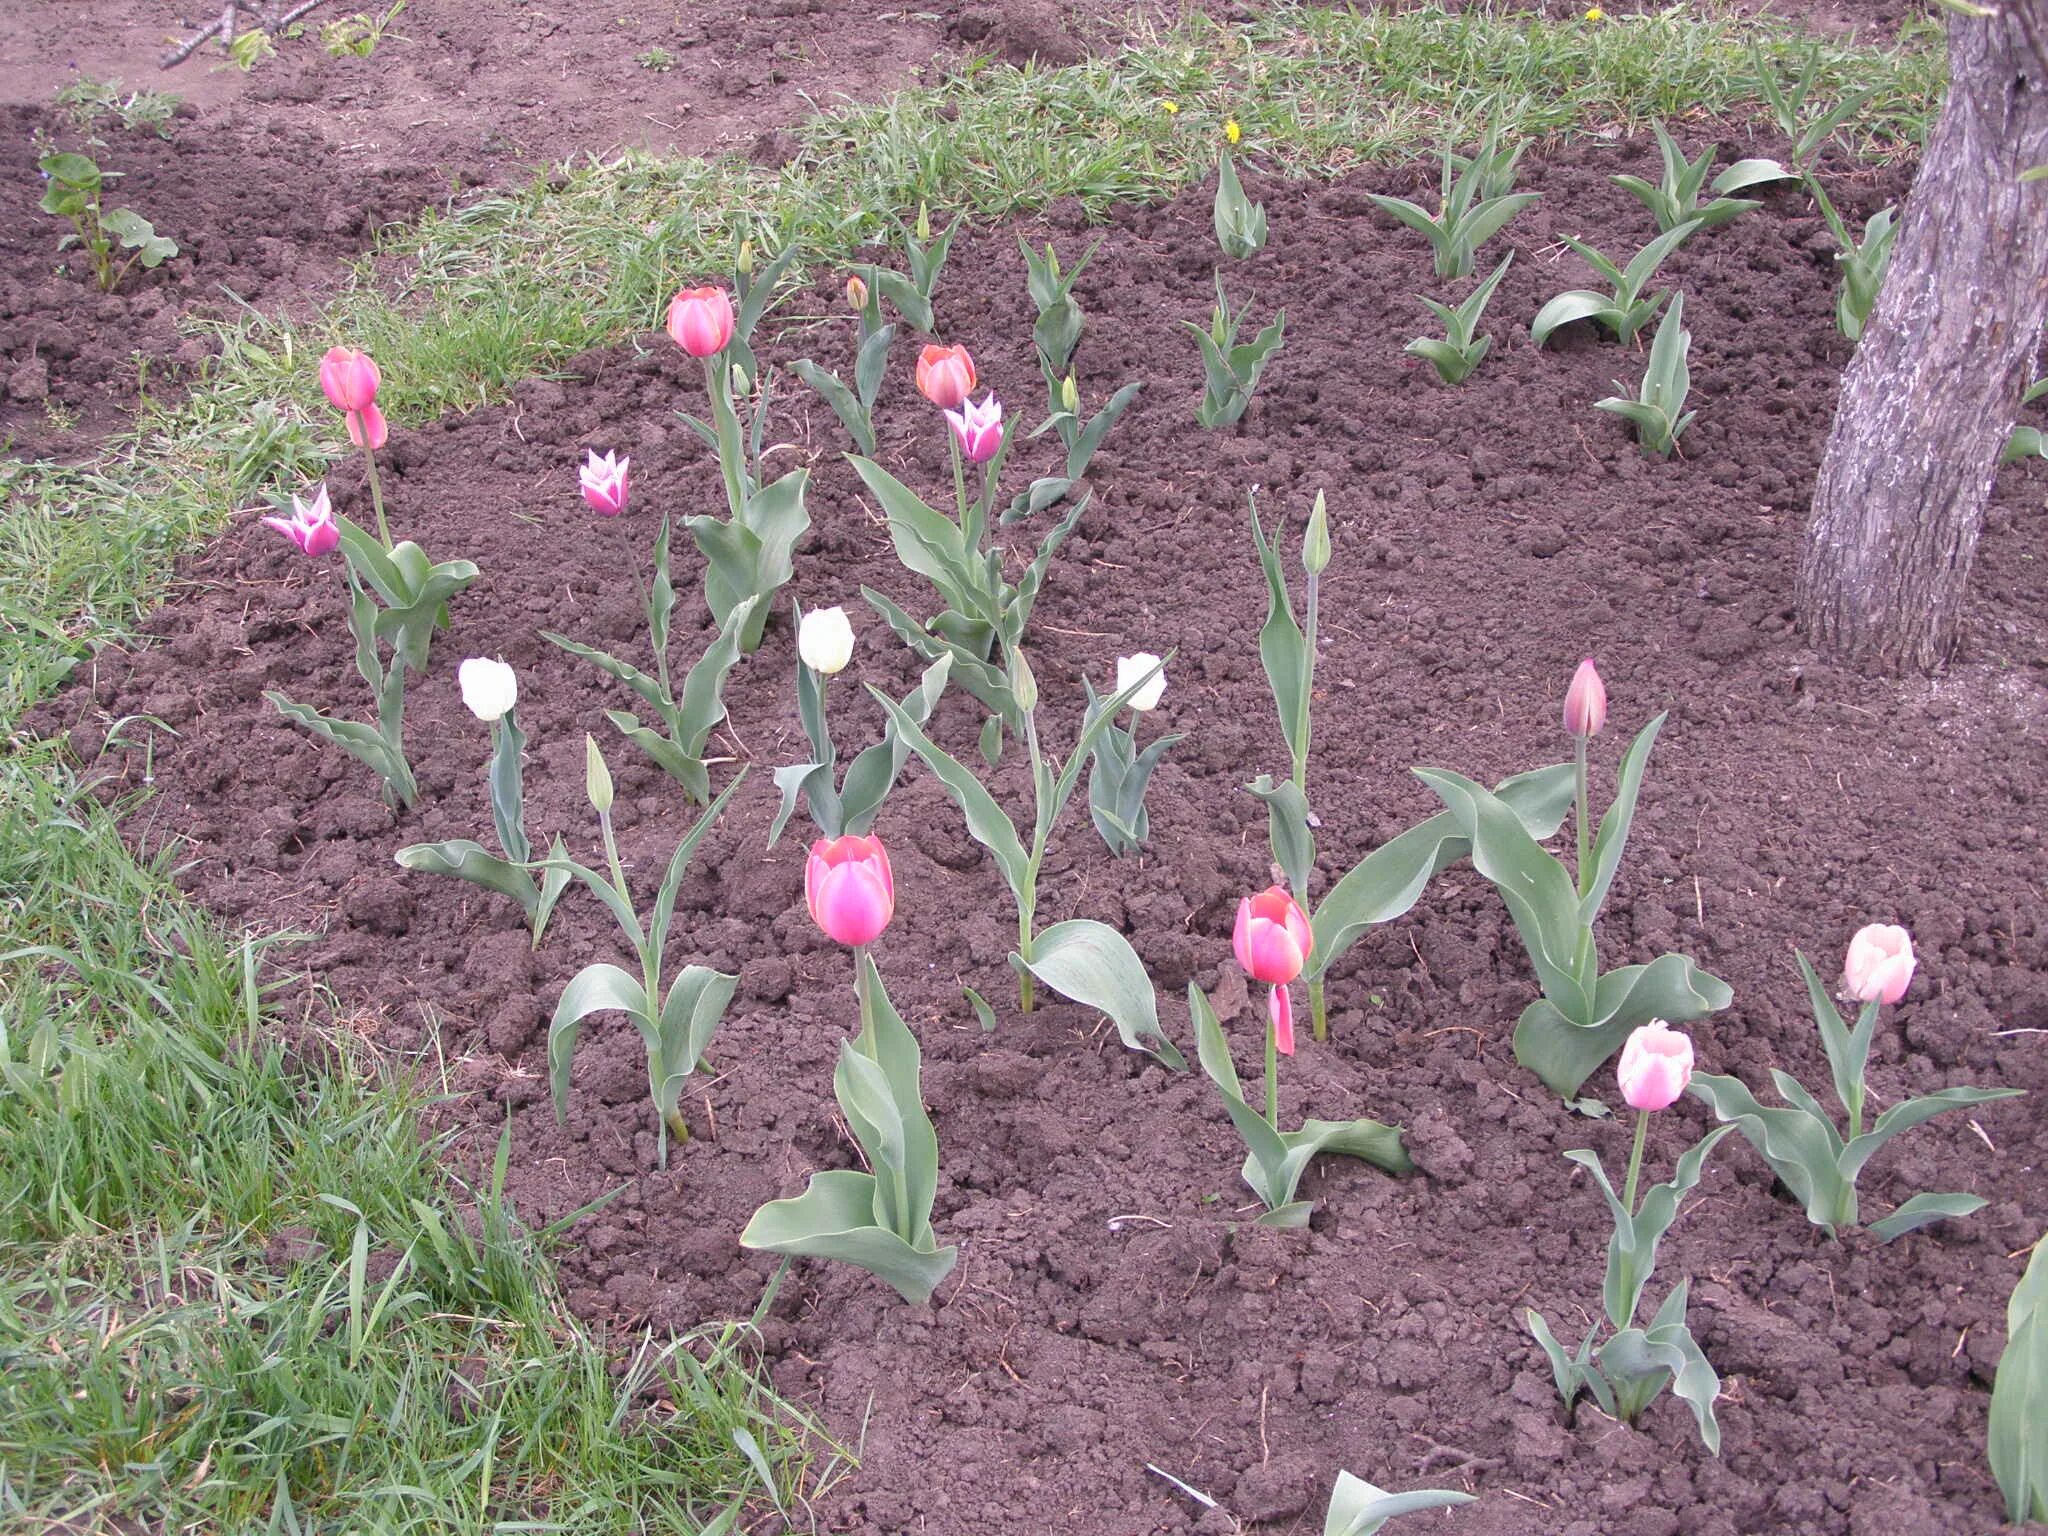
[
  {"x": 849, "y": 889},
  {"x": 945, "y": 376},
  {"x": 1272, "y": 940},
  {"x": 978, "y": 429},
  {"x": 1585, "y": 701},
  {"x": 1880, "y": 964},
  {"x": 700, "y": 320},
  {"x": 349, "y": 379},
  {"x": 1656, "y": 1064},
  {"x": 605, "y": 482},
  {"x": 311, "y": 526}
]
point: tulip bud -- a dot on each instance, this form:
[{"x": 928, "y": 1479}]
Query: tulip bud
[
  {"x": 924, "y": 221},
  {"x": 700, "y": 320},
  {"x": 824, "y": 639},
  {"x": 597, "y": 779},
  {"x": 489, "y": 688},
  {"x": 1023, "y": 685},
  {"x": 1129, "y": 669},
  {"x": 741, "y": 384},
  {"x": 746, "y": 262},
  {"x": 1070, "y": 395},
  {"x": 1315, "y": 548},
  {"x": 856, "y": 293},
  {"x": 1272, "y": 940},
  {"x": 349, "y": 379},
  {"x": 1656, "y": 1064},
  {"x": 1880, "y": 964},
  {"x": 1585, "y": 702},
  {"x": 945, "y": 376}
]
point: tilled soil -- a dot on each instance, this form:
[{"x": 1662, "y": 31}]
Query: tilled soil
[{"x": 1113, "y": 1308}]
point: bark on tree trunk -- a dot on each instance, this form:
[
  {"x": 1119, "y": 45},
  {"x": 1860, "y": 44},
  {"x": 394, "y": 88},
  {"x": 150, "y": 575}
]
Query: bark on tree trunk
[{"x": 1932, "y": 391}]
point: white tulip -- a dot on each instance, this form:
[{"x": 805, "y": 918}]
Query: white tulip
[
  {"x": 825, "y": 640},
  {"x": 1130, "y": 668},
  {"x": 489, "y": 688}
]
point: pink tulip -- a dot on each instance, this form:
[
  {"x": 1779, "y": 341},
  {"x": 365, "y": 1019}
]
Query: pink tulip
[
  {"x": 1880, "y": 964},
  {"x": 945, "y": 376},
  {"x": 366, "y": 428},
  {"x": 848, "y": 887},
  {"x": 701, "y": 320},
  {"x": 311, "y": 527},
  {"x": 350, "y": 379},
  {"x": 1272, "y": 940},
  {"x": 1585, "y": 702},
  {"x": 1656, "y": 1064},
  {"x": 978, "y": 429},
  {"x": 605, "y": 482}
]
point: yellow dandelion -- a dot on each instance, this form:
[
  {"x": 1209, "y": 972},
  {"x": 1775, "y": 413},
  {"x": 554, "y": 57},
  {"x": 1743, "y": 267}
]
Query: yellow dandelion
[
  {"x": 1169, "y": 106},
  {"x": 1594, "y": 13},
  {"x": 1231, "y": 131}
]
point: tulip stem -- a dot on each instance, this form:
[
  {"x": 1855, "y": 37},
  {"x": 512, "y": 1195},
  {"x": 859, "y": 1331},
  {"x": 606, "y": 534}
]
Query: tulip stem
[
  {"x": 376, "y": 494},
  {"x": 732, "y": 451},
  {"x": 959, "y": 478},
  {"x": 678, "y": 1125},
  {"x": 1308, "y": 684},
  {"x": 1319, "y": 1020},
  {"x": 1584, "y": 816},
  {"x": 1273, "y": 1074},
  {"x": 1635, "y": 1163},
  {"x": 1855, "y": 1104}
]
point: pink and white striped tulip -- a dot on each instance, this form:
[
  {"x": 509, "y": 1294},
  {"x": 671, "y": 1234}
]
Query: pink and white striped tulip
[
  {"x": 1656, "y": 1064},
  {"x": 849, "y": 889},
  {"x": 311, "y": 526},
  {"x": 978, "y": 429},
  {"x": 1272, "y": 940},
  {"x": 605, "y": 482},
  {"x": 1880, "y": 964}
]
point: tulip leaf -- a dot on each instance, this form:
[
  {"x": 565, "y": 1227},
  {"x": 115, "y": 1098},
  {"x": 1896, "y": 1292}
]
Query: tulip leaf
[
  {"x": 1924, "y": 1210},
  {"x": 678, "y": 865},
  {"x": 594, "y": 989},
  {"x": 508, "y": 789},
  {"x": 1903, "y": 1117},
  {"x": 1612, "y": 838},
  {"x": 1802, "y": 1149},
  {"x": 843, "y": 401},
  {"x": 1092, "y": 964},
  {"x": 986, "y": 823},
  {"x": 1283, "y": 647},
  {"x": 1357, "y": 1508},
  {"x": 690, "y": 1015},
  {"x": 834, "y": 1219},
  {"x": 1577, "y": 304},
  {"x": 927, "y": 542},
  {"x": 468, "y": 860},
  {"x": 2017, "y": 1434},
  {"x": 1287, "y": 828},
  {"x": 1564, "y": 1052}
]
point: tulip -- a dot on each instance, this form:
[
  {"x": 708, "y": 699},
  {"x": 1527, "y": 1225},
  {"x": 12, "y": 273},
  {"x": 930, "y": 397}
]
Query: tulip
[
  {"x": 701, "y": 320},
  {"x": 311, "y": 526},
  {"x": 945, "y": 376},
  {"x": 1656, "y": 1064},
  {"x": 848, "y": 888},
  {"x": 856, "y": 293},
  {"x": 1272, "y": 940},
  {"x": 349, "y": 379},
  {"x": 824, "y": 639},
  {"x": 489, "y": 688},
  {"x": 1585, "y": 701},
  {"x": 1130, "y": 668},
  {"x": 366, "y": 428},
  {"x": 605, "y": 482},
  {"x": 978, "y": 429},
  {"x": 1880, "y": 964}
]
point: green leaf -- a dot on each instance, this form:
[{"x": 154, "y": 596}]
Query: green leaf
[
  {"x": 690, "y": 1016},
  {"x": 1564, "y": 1052},
  {"x": 467, "y": 860},
  {"x": 1287, "y": 829},
  {"x": 2017, "y": 1434},
  {"x": 1612, "y": 839},
  {"x": 1357, "y": 1508},
  {"x": 844, "y": 403},
  {"x": 1578, "y": 304},
  {"x": 1903, "y": 1117},
  {"x": 834, "y": 1219},
  {"x": 508, "y": 789},
  {"x": 1268, "y": 1152},
  {"x": 594, "y": 989},
  {"x": 1283, "y": 647},
  {"x": 646, "y": 687},
  {"x": 1744, "y": 174},
  {"x": 1653, "y": 1218},
  {"x": 1803, "y": 1149},
  {"x": 1924, "y": 1210},
  {"x": 986, "y": 823},
  {"x": 929, "y": 543},
  {"x": 1092, "y": 964}
]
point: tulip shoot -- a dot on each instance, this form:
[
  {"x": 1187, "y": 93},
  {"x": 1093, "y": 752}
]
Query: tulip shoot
[
  {"x": 1459, "y": 351},
  {"x": 880, "y": 1220},
  {"x": 1118, "y": 776},
  {"x": 1357, "y": 1508},
  {"x": 1816, "y": 1161},
  {"x": 1474, "y": 206},
  {"x": 676, "y": 1025},
  {"x": 1230, "y": 368},
  {"x": 1624, "y": 310},
  {"x": 2018, "y": 1428},
  {"x": 1658, "y": 412},
  {"x": 1675, "y": 200},
  {"x": 1277, "y": 1159},
  {"x": 1240, "y": 222}
]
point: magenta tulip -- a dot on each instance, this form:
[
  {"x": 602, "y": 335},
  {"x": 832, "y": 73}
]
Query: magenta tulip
[
  {"x": 311, "y": 526},
  {"x": 978, "y": 429},
  {"x": 1272, "y": 940},
  {"x": 350, "y": 379},
  {"x": 700, "y": 320},
  {"x": 1880, "y": 964},
  {"x": 1656, "y": 1064},
  {"x": 1585, "y": 701},
  {"x": 849, "y": 889},
  {"x": 605, "y": 482},
  {"x": 366, "y": 428}
]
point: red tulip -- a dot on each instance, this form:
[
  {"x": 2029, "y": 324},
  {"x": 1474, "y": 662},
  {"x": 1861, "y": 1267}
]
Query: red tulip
[
  {"x": 1585, "y": 702},
  {"x": 1272, "y": 939},
  {"x": 848, "y": 887},
  {"x": 349, "y": 379},
  {"x": 311, "y": 526},
  {"x": 1656, "y": 1064},
  {"x": 945, "y": 376},
  {"x": 701, "y": 320}
]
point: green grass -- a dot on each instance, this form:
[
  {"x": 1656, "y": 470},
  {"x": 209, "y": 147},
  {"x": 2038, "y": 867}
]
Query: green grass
[{"x": 237, "y": 1291}]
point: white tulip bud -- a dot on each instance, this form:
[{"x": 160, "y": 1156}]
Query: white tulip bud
[
  {"x": 597, "y": 778},
  {"x": 825, "y": 640},
  {"x": 489, "y": 688},
  {"x": 1130, "y": 668}
]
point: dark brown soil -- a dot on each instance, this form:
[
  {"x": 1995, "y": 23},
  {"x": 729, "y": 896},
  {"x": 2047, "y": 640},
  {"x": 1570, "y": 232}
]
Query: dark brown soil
[{"x": 1113, "y": 1307}]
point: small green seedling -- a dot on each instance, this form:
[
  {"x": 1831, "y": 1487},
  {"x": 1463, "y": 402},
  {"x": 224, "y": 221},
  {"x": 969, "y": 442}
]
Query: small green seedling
[
  {"x": 1230, "y": 368},
  {"x": 1240, "y": 222},
  {"x": 76, "y": 185},
  {"x": 1474, "y": 207},
  {"x": 1807, "y": 131},
  {"x": 1658, "y": 412},
  {"x": 357, "y": 36},
  {"x": 1863, "y": 264},
  {"x": 89, "y": 102},
  {"x": 1676, "y": 200},
  {"x": 1357, "y": 1508},
  {"x": 1459, "y": 352},
  {"x": 1623, "y": 311},
  {"x": 2027, "y": 442}
]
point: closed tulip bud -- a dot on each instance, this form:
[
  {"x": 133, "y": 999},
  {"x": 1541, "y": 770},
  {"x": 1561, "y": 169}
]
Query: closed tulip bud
[
  {"x": 1070, "y": 395},
  {"x": 924, "y": 221},
  {"x": 856, "y": 293},
  {"x": 849, "y": 889},
  {"x": 945, "y": 376},
  {"x": 746, "y": 261},
  {"x": 1880, "y": 964},
  {"x": 978, "y": 429},
  {"x": 349, "y": 379},
  {"x": 1656, "y": 1064},
  {"x": 1023, "y": 683},
  {"x": 489, "y": 688},
  {"x": 606, "y": 482},
  {"x": 1129, "y": 669},
  {"x": 824, "y": 639},
  {"x": 700, "y": 320},
  {"x": 1585, "y": 702},
  {"x": 1272, "y": 939},
  {"x": 597, "y": 778},
  {"x": 741, "y": 383},
  {"x": 311, "y": 526},
  {"x": 1315, "y": 548}
]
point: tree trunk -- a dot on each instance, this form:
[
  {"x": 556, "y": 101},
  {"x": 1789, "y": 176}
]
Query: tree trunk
[{"x": 1932, "y": 391}]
